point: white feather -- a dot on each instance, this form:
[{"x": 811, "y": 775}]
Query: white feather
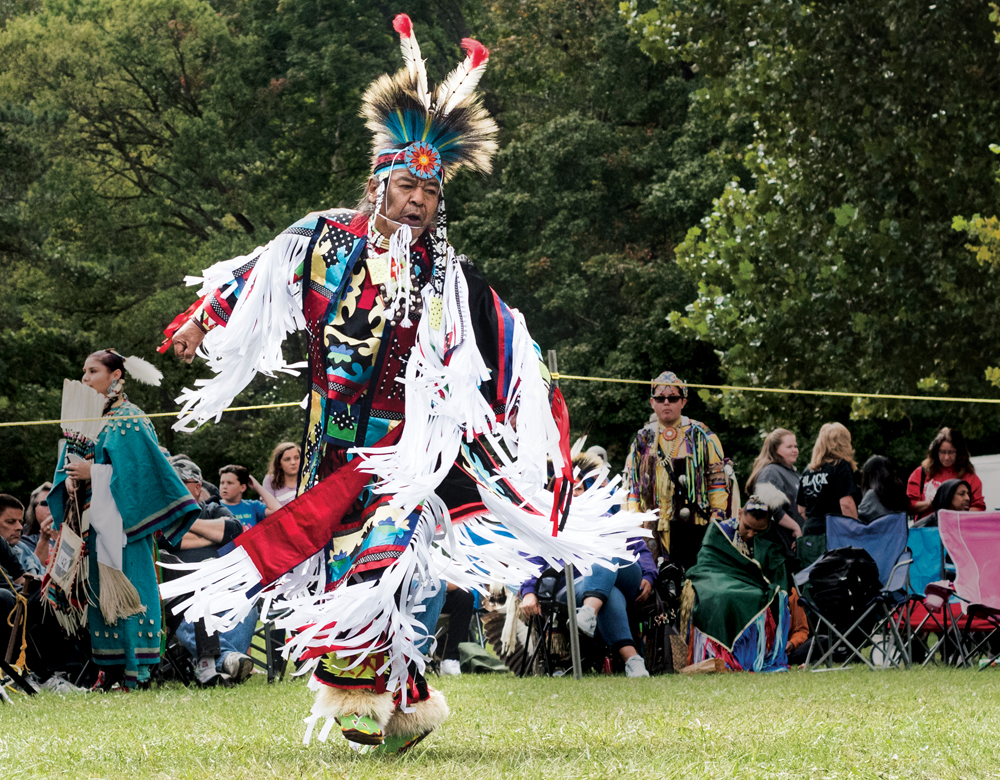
[
  {"x": 143, "y": 371},
  {"x": 415, "y": 66},
  {"x": 770, "y": 495},
  {"x": 459, "y": 85}
]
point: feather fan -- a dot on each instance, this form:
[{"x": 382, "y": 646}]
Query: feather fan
[{"x": 81, "y": 418}]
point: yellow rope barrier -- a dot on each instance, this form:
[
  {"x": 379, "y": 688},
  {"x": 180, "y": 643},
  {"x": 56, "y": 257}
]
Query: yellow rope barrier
[
  {"x": 556, "y": 375},
  {"x": 142, "y": 416},
  {"x": 790, "y": 390}
]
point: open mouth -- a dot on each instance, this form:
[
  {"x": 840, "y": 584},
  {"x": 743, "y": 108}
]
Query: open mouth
[{"x": 410, "y": 219}]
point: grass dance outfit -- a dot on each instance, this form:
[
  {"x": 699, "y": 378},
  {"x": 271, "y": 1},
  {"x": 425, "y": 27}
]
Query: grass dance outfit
[{"x": 415, "y": 468}]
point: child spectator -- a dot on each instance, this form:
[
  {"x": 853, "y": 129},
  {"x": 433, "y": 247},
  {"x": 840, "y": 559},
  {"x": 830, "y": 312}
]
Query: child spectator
[
  {"x": 947, "y": 458},
  {"x": 282, "y": 478},
  {"x": 233, "y": 482}
]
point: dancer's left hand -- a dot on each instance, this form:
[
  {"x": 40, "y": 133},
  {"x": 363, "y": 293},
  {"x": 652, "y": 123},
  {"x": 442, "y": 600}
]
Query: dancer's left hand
[{"x": 79, "y": 471}]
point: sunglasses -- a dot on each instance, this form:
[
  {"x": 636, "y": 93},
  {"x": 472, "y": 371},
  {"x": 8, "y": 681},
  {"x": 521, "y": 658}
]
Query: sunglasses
[
  {"x": 667, "y": 399},
  {"x": 43, "y": 503}
]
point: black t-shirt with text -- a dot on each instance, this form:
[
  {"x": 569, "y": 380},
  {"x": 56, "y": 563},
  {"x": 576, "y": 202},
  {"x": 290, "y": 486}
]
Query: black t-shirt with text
[{"x": 820, "y": 492}]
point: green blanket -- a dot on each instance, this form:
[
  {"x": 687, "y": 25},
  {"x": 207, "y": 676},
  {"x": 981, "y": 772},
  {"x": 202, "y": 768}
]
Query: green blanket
[{"x": 731, "y": 589}]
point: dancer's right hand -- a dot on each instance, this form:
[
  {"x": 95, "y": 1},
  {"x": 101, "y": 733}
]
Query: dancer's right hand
[{"x": 186, "y": 341}]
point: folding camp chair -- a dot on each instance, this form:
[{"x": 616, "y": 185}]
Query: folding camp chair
[
  {"x": 268, "y": 641},
  {"x": 884, "y": 540},
  {"x": 973, "y": 541},
  {"x": 925, "y": 613},
  {"x": 548, "y": 590}
]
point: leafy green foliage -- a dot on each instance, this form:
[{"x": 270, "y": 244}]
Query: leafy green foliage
[
  {"x": 837, "y": 267},
  {"x": 601, "y": 172},
  {"x": 145, "y": 140}
]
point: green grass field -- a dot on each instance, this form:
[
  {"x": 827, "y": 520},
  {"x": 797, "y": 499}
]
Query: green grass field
[{"x": 921, "y": 724}]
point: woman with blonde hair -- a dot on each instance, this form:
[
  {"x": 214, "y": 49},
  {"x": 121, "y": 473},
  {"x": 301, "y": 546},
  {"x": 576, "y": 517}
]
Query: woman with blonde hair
[
  {"x": 776, "y": 466},
  {"x": 282, "y": 480},
  {"x": 826, "y": 487}
]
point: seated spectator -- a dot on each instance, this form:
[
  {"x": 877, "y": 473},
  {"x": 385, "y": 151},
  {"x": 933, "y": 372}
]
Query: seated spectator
[
  {"x": 947, "y": 458},
  {"x": 459, "y": 605},
  {"x": 11, "y": 525},
  {"x": 37, "y": 534},
  {"x": 49, "y": 649},
  {"x": 826, "y": 488},
  {"x": 218, "y": 657},
  {"x": 953, "y": 494},
  {"x": 233, "y": 483},
  {"x": 883, "y": 493},
  {"x": 797, "y": 647},
  {"x": 11, "y": 581},
  {"x": 282, "y": 477},
  {"x": 735, "y": 604},
  {"x": 603, "y": 596}
]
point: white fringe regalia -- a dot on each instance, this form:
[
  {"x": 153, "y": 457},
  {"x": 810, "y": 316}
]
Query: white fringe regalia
[{"x": 445, "y": 411}]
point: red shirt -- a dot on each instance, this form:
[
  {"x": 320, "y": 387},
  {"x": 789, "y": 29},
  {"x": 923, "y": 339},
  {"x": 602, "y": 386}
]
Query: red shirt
[{"x": 931, "y": 485}]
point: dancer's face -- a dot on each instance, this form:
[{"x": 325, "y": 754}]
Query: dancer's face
[
  {"x": 97, "y": 376},
  {"x": 408, "y": 201},
  {"x": 750, "y": 526},
  {"x": 668, "y": 404}
]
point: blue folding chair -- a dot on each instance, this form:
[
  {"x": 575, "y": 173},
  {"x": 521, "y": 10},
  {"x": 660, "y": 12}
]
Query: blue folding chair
[
  {"x": 884, "y": 539},
  {"x": 930, "y": 565}
]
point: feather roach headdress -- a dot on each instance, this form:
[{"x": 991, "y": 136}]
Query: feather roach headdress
[{"x": 432, "y": 135}]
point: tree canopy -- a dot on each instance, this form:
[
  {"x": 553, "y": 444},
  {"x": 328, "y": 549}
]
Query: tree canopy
[
  {"x": 742, "y": 191},
  {"x": 837, "y": 267}
]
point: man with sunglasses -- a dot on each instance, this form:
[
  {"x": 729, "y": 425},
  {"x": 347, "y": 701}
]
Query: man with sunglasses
[{"x": 676, "y": 466}]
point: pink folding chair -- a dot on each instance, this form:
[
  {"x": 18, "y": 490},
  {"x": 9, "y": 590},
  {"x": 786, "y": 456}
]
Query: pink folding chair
[{"x": 972, "y": 539}]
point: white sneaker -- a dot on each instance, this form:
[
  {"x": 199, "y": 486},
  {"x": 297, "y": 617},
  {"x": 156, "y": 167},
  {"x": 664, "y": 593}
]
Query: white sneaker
[
  {"x": 451, "y": 668},
  {"x": 206, "y": 669},
  {"x": 238, "y": 666},
  {"x": 58, "y": 684},
  {"x": 586, "y": 620},
  {"x": 636, "y": 667}
]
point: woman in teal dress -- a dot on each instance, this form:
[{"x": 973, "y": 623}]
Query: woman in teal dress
[{"x": 133, "y": 496}]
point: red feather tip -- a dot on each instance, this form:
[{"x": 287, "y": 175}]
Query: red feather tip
[
  {"x": 403, "y": 25},
  {"x": 476, "y": 51}
]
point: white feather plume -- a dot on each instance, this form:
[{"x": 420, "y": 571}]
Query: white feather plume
[
  {"x": 143, "y": 371},
  {"x": 415, "y": 65},
  {"x": 462, "y": 81},
  {"x": 770, "y": 495}
]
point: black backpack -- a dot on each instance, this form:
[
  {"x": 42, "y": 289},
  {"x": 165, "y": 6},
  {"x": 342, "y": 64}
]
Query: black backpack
[{"x": 842, "y": 583}]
